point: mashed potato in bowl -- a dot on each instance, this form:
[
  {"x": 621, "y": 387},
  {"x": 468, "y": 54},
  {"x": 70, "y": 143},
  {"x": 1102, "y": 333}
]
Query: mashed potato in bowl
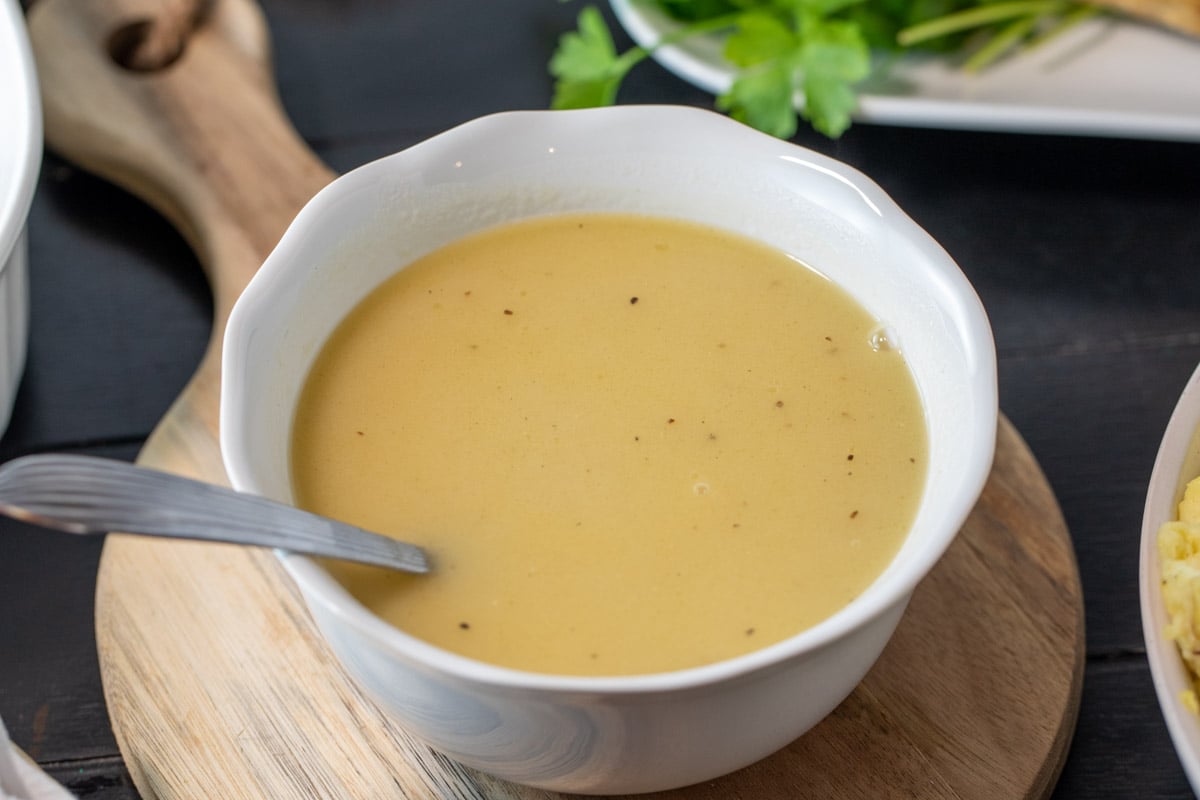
[
  {"x": 1179, "y": 553},
  {"x": 1169, "y": 577}
]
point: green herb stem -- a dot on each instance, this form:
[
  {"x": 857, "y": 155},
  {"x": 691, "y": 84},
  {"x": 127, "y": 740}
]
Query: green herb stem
[
  {"x": 711, "y": 25},
  {"x": 978, "y": 17},
  {"x": 1000, "y": 43},
  {"x": 1064, "y": 23}
]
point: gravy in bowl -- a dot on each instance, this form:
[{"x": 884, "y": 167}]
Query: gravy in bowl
[{"x": 631, "y": 444}]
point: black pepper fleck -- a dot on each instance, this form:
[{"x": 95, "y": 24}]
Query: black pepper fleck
[
  {"x": 853, "y": 514},
  {"x": 749, "y": 631},
  {"x": 633, "y": 301},
  {"x": 779, "y": 404},
  {"x": 850, "y": 457},
  {"x": 508, "y": 311},
  {"x": 465, "y": 626}
]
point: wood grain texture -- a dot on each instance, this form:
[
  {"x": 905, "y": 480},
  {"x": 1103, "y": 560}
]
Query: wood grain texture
[
  {"x": 236, "y": 695},
  {"x": 204, "y": 141},
  {"x": 218, "y": 684}
]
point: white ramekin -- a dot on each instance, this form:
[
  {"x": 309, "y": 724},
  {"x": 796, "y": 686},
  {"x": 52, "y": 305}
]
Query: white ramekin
[{"x": 20, "y": 159}]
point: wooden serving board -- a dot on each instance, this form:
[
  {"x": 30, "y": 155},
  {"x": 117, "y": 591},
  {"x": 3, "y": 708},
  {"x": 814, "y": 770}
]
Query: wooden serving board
[{"x": 218, "y": 684}]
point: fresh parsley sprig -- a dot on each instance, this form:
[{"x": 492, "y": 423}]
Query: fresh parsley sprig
[
  {"x": 778, "y": 48},
  {"x": 588, "y": 67},
  {"x": 816, "y": 51}
]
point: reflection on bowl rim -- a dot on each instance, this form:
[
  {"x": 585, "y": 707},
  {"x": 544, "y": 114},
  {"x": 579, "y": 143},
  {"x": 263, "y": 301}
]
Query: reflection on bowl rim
[{"x": 868, "y": 605}]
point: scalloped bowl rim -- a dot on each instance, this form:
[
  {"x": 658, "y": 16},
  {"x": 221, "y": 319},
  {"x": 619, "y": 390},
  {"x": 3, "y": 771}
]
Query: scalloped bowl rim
[{"x": 868, "y": 606}]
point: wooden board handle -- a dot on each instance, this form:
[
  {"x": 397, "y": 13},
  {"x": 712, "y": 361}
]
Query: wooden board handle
[{"x": 204, "y": 139}]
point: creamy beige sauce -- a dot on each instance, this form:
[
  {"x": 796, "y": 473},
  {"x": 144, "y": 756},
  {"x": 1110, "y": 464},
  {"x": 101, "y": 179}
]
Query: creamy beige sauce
[{"x": 631, "y": 445}]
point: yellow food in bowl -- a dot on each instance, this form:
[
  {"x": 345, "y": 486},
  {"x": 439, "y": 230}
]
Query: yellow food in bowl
[
  {"x": 632, "y": 445},
  {"x": 1179, "y": 553}
]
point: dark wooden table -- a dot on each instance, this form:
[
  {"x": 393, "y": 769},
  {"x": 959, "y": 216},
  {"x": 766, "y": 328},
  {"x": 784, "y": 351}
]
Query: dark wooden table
[{"x": 1086, "y": 253}]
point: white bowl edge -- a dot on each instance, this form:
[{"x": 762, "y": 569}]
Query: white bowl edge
[
  {"x": 21, "y": 135},
  {"x": 1178, "y": 461},
  {"x": 20, "y": 162},
  {"x": 972, "y": 321}
]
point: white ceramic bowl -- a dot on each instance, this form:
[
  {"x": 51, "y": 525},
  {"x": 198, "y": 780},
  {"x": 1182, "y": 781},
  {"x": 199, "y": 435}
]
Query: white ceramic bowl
[
  {"x": 1178, "y": 462},
  {"x": 20, "y": 158},
  {"x": 626, "y": 734}
]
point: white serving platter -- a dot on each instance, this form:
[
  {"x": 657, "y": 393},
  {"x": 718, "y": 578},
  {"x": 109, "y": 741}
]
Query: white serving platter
[{"x": 1105, "y": 77}]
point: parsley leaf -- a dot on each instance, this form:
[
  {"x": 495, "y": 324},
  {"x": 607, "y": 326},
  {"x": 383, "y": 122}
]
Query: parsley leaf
[
  {"x": 833, "y": 58},
  {"x": 587, "y": 66},
  {"x": 821, "y": 58},
  {"x": 762, "y": 98},
  {"x": 759, "y": 37}
]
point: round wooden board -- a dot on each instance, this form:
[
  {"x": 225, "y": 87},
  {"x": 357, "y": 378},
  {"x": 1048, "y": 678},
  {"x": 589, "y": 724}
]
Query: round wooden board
[{"x": 218, "y": 684}]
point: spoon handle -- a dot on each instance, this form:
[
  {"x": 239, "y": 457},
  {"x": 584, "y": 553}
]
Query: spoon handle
[{"x": 85, "y": 495}]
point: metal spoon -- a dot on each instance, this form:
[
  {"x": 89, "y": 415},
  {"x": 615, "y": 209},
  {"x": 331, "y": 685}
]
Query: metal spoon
[{"x": 84, "y": 495}]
